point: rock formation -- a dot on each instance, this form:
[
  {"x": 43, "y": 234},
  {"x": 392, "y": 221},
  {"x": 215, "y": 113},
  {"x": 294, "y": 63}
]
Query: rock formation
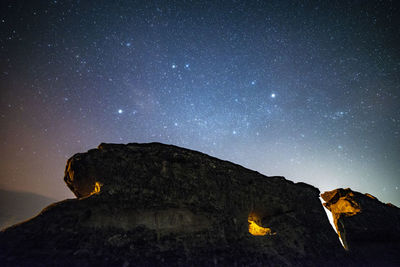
[
  {"x": 369, "y": 229},
  {"x": 155, "y": 204}
]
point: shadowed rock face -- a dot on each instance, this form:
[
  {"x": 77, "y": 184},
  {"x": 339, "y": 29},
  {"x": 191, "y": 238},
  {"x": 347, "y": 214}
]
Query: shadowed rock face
[
  {"x": 155, "y": 204},
  {"x": 369, "y": 229}
]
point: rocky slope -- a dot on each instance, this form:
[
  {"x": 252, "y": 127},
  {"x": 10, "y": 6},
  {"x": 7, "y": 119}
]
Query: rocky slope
[
  {"x": 155, "y": 204},
  {"x": 369, "y": 229}
]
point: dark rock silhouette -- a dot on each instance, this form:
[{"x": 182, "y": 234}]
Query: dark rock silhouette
[
  {"x": 369, "y": 229},
  {"x": 155, "y": 204}
]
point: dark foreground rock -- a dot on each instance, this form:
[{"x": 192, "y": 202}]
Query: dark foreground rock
[
  {"x": 155, "y": 204},
  {"x": 369, "y": 229}
]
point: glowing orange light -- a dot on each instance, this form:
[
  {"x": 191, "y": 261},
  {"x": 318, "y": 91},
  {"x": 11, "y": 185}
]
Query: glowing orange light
[
  {"x": 255, "y": 229},
  {"x": 96, "y": 188}
]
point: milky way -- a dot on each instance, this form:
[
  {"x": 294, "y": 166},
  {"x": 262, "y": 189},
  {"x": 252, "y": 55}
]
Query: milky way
[{"x": 306, "y": 91}]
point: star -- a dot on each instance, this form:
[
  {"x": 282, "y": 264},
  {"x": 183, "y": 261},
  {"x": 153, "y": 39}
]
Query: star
[{"x": 159, "y": 79}]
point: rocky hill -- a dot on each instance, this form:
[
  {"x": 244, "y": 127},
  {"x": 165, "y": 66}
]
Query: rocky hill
[{"x": 154, "y": 204}]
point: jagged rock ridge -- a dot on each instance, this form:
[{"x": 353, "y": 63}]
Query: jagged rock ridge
[{"x": 155, "y": 204}]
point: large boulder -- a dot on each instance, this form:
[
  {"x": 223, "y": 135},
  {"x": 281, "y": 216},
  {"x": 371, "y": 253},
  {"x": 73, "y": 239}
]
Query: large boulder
[
  {"x": 369, "y": 229},
  {"x": 155, "y": 204}
]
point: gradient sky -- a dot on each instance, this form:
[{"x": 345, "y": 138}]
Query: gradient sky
[{"x": 307, "y": 91}]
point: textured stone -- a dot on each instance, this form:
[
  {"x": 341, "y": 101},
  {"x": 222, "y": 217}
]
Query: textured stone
[
  {"x": 155, "y": 204},
  {"x": 369, "y": 229}
]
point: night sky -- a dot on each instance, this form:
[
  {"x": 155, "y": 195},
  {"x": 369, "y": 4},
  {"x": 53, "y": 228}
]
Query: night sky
[{"x": 308, "y": 91}]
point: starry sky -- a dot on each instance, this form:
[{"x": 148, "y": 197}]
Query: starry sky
[{"x": 304, "y": 89}]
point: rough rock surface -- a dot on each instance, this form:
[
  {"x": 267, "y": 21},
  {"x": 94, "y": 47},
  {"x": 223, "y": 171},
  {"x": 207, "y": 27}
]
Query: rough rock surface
[
  {"x": 369, "y": 229},
  {"x": 155, "y": 204}
]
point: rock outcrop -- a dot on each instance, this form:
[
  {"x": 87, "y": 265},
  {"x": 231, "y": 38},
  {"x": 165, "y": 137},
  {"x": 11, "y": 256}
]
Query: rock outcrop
[
  {"x": 369, "y": 229},
  {"x": 155, "y": 204}
]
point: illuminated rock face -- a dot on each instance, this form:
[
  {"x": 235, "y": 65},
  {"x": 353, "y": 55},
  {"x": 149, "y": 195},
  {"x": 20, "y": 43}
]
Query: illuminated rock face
[
  {"x": 96, "y": 188},
  {"x": 254, "y": 226},
  {"x": 369, "y": 229},
  {"x": 155, "y": 204},
  {"x": 255, "y": 229}
]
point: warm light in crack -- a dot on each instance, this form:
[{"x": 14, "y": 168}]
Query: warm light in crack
[
  {"x": 96, "y": 188},
  {"x": 255, "y": 229}
]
